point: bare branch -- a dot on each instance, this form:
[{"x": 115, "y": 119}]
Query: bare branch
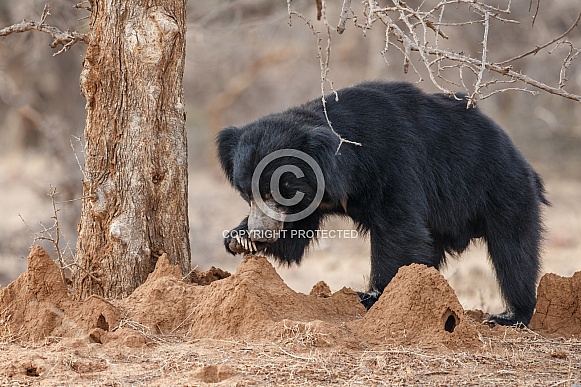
[
  {"x": 507, "y": 71},
  {"x": 536, "y": 11},
  {"x": 478, "y": 85},
  {"x": 85, "y": 177},
  {"x": 324, "y": 67},
  {"x": 81, "y": 5},
  {"x": 411, "y": 42},
  {"x": 57, "y": 233},
  {"x": 319, "y": 9},
  {"x": 533, "y": 92},
  {"x": 539, "y": 48},
  {"x": 573, "y": 53},
  {"x": 418, "y": 30},
  {"x": 51, "y": 234},
  {"x": 65, "y": 38},
  {"x": 344, "y": 16}
]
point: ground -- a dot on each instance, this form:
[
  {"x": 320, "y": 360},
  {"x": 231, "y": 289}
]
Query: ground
[
  {"x": 251, "y": 329},
  {"x": 523, "y": 359}
]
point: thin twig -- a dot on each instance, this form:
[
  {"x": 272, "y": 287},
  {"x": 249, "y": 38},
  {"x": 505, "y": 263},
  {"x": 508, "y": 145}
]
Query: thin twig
[
  {"x": 539, "y": 48},
  {"x": 324, "y": 68},
  {"x": 297, "y": 356},
  {"x": 536, "y": 11},
  {"x": 51, "y": 234},
  {"x": 344, "y": 16},
  {"x": 77, "y": 157},
  {"x": 571, "y": 55},
  {"x": 80, "y": 267},
  {"x": 478, "y": 84},
  {"x": 57, "y": 233}
]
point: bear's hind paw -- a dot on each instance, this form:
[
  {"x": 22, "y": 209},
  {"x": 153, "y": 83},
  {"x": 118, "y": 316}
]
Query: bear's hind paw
[
  {"x": 369, "y": 298},
  {"x": 506, "y": 319}
]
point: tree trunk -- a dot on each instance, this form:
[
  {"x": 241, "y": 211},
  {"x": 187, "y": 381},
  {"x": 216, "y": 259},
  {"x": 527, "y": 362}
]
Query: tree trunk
[{"x": 135, "y": 184}]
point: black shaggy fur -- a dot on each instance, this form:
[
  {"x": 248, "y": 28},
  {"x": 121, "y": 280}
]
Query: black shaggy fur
[{"x": 430, "y": 176}]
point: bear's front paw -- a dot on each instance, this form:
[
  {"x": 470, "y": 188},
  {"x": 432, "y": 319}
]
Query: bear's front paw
[
  {"x": 506, "y": 319},
  {"x": 241, "y": 245},
  {"x": 369, "y": 298}
]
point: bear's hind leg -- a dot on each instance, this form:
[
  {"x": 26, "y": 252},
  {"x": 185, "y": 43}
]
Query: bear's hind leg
[{"x": 514, "y": 253}]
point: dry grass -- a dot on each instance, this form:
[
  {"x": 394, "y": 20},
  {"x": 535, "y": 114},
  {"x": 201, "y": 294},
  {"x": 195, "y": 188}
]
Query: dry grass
[
  {"x": 7, "y": 334},
  {"x": 302, "y": 334},
  {"x": 148, "y": 334},
  {"x": 515, "y": 357}
]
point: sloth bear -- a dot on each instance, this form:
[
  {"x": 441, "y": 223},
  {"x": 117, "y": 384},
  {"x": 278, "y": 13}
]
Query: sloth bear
[{"x": 429, "y": 176}]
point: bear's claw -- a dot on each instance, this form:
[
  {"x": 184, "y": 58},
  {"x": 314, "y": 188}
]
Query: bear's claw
[
  {"x": 369, "y": 298},
  {"x": 506, "y": 319}
]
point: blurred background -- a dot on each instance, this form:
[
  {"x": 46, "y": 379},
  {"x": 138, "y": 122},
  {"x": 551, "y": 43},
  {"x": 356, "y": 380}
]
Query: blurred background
[{"x": 243, "y": 61}]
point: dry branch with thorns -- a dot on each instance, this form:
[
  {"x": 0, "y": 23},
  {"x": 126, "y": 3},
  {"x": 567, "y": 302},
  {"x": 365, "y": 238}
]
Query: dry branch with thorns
[
  {"x": 420, "y": 30},
  {"x": 65, "y": 38},
  {"x": 324, "y": 57},
  {"x": 51, "y": 234}
]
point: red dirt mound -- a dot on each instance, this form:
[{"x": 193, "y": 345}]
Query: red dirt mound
[
  {"x": 321, "y": 289},
  {"x": 209, "y": 276},
  {"x": 418, "y": 307},
  {"x": 558, "y": 309},
  {"x": 245, "y": 305},
  {"x": 35, "y": 304},
  {"x": 252, "y": 304}
]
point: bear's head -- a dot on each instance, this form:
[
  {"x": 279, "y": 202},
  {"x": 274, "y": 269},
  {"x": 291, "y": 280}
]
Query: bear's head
[{"x": 281, "y": 167}]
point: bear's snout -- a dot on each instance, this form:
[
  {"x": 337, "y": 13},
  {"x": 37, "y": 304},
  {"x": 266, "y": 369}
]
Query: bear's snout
[{"x": 262, "y": 227}]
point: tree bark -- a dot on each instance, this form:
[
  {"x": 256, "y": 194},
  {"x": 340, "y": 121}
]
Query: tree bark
[{"x": 135, "y": 184}]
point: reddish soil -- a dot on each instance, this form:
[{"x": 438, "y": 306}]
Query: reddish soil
[
  {"x": 418, "y": 307},
  {"x": 418, "y": 317},
  {"x": 558, "y": 305}
]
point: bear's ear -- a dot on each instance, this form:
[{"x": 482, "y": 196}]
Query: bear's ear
[
  {"x": 322, "y": 141},
  {"x": 226, "y": 142}
]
